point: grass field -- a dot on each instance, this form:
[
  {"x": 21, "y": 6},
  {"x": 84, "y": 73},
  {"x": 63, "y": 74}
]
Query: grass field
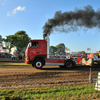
[{"x": 82, "y": 92}]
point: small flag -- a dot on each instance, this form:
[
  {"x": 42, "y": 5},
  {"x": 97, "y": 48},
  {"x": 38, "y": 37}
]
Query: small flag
[{"x": 88, "y": 49}]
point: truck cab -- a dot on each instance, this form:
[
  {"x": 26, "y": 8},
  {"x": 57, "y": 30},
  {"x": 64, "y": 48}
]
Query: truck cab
[{"x": 35, "y": 49}]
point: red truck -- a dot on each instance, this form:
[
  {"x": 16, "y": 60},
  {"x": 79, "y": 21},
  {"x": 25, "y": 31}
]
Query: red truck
[{"x": 37, "y": 54}]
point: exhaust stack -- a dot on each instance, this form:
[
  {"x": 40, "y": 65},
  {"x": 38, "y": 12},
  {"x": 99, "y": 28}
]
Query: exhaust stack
[{"x": 48, "y": 44}]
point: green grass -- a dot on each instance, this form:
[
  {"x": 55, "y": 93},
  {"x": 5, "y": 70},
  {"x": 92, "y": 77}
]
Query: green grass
[
  {"x": 13, "y": 64},
  {"x": 82, "y": 92}
]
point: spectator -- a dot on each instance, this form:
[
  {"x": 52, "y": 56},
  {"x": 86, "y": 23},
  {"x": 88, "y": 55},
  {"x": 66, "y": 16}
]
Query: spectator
[
  {"x": 1, "y": 55},
  {"x": 12, "y": 57}
]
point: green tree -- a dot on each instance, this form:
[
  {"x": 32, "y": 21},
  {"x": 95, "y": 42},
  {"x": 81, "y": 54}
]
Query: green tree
[
  {"x": 60, "y": 48},
  {"x": 19, "y": 39},
  {"x": 52, "y": 50},
  {"x": 9, "y": 42}
]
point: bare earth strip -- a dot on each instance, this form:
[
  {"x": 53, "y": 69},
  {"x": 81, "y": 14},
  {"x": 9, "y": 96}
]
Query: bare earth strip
[{"x": 27, "y": 76}]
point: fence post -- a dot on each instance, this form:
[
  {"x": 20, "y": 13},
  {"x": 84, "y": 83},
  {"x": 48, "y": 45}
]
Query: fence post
[{"x": 90, "y": 77}]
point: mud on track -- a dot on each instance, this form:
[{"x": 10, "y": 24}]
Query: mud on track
[{"x": 27, "y": 76}]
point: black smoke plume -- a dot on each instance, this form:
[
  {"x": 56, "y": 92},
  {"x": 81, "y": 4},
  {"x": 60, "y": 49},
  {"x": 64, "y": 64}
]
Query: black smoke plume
[{"x": 86, "y": 17}]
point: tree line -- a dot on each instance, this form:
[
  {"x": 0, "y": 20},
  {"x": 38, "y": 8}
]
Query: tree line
[
  {"x": 19, "y": 40},
  {"x": 58, "y": 49}
]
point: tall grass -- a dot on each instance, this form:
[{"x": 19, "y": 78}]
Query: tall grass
[{"x": 82, "y": 92}]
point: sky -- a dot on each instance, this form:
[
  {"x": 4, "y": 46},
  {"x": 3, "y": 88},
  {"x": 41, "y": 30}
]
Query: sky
[{"x": 31, "y": 16}]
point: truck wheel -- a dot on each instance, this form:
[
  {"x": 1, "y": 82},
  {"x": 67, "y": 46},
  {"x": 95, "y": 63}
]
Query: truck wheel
[
  {"x": 38, "y": 64},
  {"x": 69, "y": 64}
]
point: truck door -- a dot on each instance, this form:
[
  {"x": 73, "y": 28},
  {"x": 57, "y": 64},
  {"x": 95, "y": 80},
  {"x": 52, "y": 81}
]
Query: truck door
[{"x": 34, "y": 50}]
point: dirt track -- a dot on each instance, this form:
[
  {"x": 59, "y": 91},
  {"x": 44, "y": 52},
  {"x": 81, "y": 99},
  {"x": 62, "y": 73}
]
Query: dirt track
[{"x": 27, "y": 76}]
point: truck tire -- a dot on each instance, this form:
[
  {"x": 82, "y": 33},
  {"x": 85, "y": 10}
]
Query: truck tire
[
  {"x": 69, "y": 64},
  {"x": 38, "y": 64}
]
